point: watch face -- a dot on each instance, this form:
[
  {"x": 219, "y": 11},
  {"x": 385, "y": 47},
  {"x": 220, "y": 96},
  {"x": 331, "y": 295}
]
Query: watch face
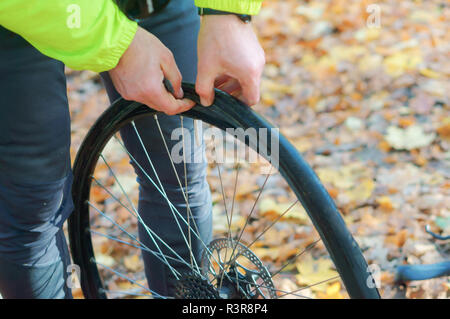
[{"x": 141, "y": 9}]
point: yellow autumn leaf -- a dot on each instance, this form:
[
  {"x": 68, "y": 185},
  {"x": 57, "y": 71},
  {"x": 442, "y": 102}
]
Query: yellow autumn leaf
[
  {"x": 245, "y": 189},
  {"x": 126, "y": 285},
  {"x": 269, "y": 206},
  {"x": 220, "y": 221},
  {"x": 400, "y": 62},
  {"x": 429, "y": 73},
  {"x": 266, "y": 253},
  {"x": 105, "y": 260},
  {"x": 347, "y": 52},
  {"x": 312, "y": 272},
  {"x": 354, "y": 181},
  {"x": 132, "y": 263},
  {"x": 333, "y": 291},
  {"x": 361, "y": 192}
]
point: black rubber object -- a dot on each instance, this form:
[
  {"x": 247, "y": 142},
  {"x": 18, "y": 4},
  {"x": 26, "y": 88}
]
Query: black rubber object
[{"x": 226, "y": 112}]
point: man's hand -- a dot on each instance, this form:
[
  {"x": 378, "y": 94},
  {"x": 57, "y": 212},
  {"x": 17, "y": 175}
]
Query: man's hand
[
  {"x": 140, "y": 72},
  {"x": 230, "y": 59}
]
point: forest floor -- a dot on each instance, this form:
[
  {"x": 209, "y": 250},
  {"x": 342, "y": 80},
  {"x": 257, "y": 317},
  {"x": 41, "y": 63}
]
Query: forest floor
[{"x": 368, "y": 107}]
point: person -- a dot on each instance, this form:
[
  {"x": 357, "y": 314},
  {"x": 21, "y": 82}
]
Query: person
[{"x": 36, "y": 39}]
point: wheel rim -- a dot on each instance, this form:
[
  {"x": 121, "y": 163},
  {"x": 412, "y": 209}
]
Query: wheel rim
[{"x": 93, "y": 284}]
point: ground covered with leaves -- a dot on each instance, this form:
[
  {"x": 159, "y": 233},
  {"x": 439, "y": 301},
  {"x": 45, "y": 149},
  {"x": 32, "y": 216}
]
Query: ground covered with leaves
[{"x": 368, "y": 107}]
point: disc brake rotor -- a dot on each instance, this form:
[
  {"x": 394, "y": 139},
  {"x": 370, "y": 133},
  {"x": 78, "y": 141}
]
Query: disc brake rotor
[{"x": 240, "y": 275}]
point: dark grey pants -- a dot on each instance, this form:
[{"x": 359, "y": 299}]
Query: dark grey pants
[{"x": 35, "y": 174}]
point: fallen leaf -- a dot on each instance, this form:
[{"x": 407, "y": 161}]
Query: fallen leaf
[
  {"x": 311, "y": 271},
  {"x": 409, "y": 138},
  {"x": 333, "y": 291},
  {"x": 105, "y": 260},
  {"x": 269, "y": 206},
  {"x": 133, "y": 263},
  {"x": 385, "y": 203}
]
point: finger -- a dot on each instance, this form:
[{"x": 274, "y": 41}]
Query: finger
[
  {"x": 165, "y": 102},
  {"x": 204, "y": 86},
  {"x": 173, "y": 74},
  {"x": 250, "y": 89}
]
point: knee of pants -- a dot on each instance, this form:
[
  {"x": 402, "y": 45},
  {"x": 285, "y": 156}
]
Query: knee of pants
[
  {"x": 30, "y": 217},
  {"x": 42, "y": 281}
]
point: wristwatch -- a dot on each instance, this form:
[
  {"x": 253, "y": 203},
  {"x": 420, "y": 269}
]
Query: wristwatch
[{"x": 206, "y": 11}]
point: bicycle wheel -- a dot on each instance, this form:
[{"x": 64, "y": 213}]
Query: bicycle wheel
[{"x": 237, "y": 263}]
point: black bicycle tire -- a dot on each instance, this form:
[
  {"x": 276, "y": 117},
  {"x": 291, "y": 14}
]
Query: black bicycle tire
[{"x": 226, "y": 112}]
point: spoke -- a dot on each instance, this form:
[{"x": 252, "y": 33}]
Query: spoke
[
  {"x": 136, "y": 213},
  {"x": 229, "y": 220},
  {"x": 306, "y": 287},
  {"x": 150, "y": 232},
  {"x": 176, "y": 173},
  {"x": 309, "y": 247},
  {"x": 272, "y": 224},
  {"x": 169, "y": 203},
  {"x": 129, "y": 279},
  {"x": 292, "y": 259},
  {"x": 174, "y": 271},
  {"x": 174, "y": 210},
  {"x": 234, "y": 199},
  {"x": 278, "y": 290},
  {"x": 249, "y": 215},
  {"x": 197, "y": 234},
  {"x": 180, "y": 259},
  {"x": 188, "y": 209},
  {"x": 223, "y": 195},
  {"x": 130, "y": 244},
  {"x": 165, "y": 194}
]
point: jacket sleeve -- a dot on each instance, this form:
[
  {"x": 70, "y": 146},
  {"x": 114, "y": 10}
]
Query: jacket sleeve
[
  {"x": 236, "y": 6},
  {"x": 84, "y": 34}
]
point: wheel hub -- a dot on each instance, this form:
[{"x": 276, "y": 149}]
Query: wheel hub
[
  {"x": 227, "y": 278},
  {"x": 235, "y": 271}
]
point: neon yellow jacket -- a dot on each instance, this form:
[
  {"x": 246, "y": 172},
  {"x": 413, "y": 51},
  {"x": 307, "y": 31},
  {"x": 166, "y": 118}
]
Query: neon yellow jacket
[{"x": 86, "y": 34}]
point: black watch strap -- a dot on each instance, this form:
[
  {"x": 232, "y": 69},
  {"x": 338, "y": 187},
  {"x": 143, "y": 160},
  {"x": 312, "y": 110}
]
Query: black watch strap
[{"x": 206, "y": 11}]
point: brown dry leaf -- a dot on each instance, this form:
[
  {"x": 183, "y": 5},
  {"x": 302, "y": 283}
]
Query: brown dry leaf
[
  {"x": 287, "y": 251},
  {"x": 385, "y": 203},
  {"x": 245, "y": 189},
  {"x": 444, "y": 130},
  {"x": 98, "y": 194},
  {"x": 332, "y": 82},
  {"x": 77, "y": 293},
  {"x": 398, "y": 239}
]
